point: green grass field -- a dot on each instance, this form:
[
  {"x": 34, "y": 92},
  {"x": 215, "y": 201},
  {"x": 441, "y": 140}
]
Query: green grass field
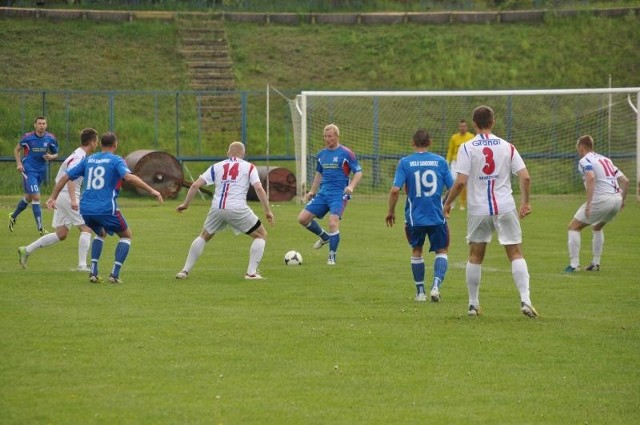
[{"x": 316, "y": 344}]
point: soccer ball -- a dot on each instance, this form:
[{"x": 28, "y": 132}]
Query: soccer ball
[{"x": 293, "y": 258}]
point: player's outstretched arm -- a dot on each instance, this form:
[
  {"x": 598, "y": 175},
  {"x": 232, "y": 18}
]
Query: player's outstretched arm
[
  {"x": 193, "y": 189},
  {"x": 264, "y": 200},
  {"x": 139, "y": 183}
]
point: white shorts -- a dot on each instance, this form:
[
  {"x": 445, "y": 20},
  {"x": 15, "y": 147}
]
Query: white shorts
[
  {"x": 507, "y": 226},
  {"x": 240, "y": 220},
  {"x": 603, "y": 209},
  {"x": 63, "y": 215}
]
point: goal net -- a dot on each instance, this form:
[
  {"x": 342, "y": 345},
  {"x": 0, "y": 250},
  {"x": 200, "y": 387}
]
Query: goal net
[{"x": 543, "y": 125}]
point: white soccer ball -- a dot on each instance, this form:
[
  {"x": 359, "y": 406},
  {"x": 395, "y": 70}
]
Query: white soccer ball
[{"x": 293, "y": 258}]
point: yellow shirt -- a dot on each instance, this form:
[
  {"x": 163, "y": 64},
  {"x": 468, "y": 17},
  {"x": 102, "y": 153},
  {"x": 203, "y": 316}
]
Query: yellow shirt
[{"x": 455, "y": 142}]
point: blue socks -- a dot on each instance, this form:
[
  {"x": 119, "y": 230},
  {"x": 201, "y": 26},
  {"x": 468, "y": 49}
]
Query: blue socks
[
  {"x": 22, "y": 205},
  {"x": 440, "y": 266},
  {"x": 417, "y": 268},
  {"x": 96, "y": 251},
  {"x": 315, "y": 228},
  {"x": 122, "y": 250}
]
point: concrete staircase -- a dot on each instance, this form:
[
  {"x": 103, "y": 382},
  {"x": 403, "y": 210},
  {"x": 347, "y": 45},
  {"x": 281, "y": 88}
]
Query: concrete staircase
[{"x": 204, "y": 46}]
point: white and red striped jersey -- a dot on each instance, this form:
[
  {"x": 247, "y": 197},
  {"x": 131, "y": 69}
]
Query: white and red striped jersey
[
  {"x": 489, "y": 162},
  {"x": 232, "y": 178},
  {"x": 71, "y": 161},
  {"x": 606, "y": 174}
]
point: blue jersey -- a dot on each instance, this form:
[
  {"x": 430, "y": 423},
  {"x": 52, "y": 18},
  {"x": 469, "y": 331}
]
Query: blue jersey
[
  {"x": 35, "y": 148},
  {"x": 103, "y": 173},
  {"x": 424, "y": 175},
  {"x": 335, "y": 166}
]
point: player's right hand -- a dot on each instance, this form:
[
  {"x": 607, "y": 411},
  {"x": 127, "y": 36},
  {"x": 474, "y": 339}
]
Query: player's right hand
[
  {"x": 182, "y": 207},
  {"x": 51, "y": 204},
  {"x": 391, "y": 220}
]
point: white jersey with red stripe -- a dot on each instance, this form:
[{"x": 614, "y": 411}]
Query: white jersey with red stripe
[
  {"x": 71, "y": 161},
  {"x": 606, "y": 174},
  {"x": 489, "y": 161},
  {"x": 232, "y": 178}
]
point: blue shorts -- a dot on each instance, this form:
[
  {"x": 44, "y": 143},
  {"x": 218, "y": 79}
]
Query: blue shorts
[
  {"x": 438, "y": 236},
  {"x": 322, "y": 203},
  {"x": 31, "y": 181},
  {"x": 109, "y": 223}
]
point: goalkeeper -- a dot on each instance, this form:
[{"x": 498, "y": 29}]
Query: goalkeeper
[{"x": 457, "y": 140}]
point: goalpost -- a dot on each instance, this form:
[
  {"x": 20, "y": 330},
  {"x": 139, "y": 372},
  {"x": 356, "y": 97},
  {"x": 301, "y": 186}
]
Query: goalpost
[{"x": 543, "y": 124}]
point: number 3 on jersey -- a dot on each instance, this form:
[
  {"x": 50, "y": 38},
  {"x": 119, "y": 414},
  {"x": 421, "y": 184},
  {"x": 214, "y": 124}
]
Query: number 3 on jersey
[
  {"x": 426, "y": 183},
  {"x": 95, "y": 178},
  {"x": 489, "y": 163}
]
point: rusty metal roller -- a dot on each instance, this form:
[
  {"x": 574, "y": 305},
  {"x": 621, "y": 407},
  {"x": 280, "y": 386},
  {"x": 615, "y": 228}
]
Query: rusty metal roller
[
  {"x": 282, "y": 184},
  {"x": 160, "y": 170}
]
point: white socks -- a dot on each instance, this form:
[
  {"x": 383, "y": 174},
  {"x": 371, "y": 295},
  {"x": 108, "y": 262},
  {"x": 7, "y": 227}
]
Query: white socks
[
  {"x": 255, "y": 255},
  {"x": 196, "y": 250},
  {"x": 520, "y": 274},
  {"x": 474, "y": 272},
  {"x": 597, "y": 246},
  {"x": 519, "y": 271},
  {"x": 574, "y": 248},
  {"x": 46, "y": 240},
  {"x": 84, "y": 242}
]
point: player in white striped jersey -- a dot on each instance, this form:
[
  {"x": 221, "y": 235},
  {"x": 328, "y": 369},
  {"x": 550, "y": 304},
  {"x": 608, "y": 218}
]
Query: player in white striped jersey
[
  {"x": 485, "y": 165},
  {"x": 232, "y": 178},
  {"x": 606, "y": 189},
  {"x": 66, "y": 213}
]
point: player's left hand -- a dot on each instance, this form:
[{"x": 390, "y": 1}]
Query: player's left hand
[
  {"x": 270, "y": 218},
  {"x": 391, "y": 220},
  {"x": 447, "y": 210},
  {"x": 49, "y": 156},
  {"x": 525, "y": 210}
]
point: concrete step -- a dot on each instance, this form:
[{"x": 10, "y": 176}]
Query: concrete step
[
  {"x": 194, "y": 41},
  {"x": 207, "y": 65},
  {"x": 212, "y": 74},
  {"x": 207, "y": 57}
]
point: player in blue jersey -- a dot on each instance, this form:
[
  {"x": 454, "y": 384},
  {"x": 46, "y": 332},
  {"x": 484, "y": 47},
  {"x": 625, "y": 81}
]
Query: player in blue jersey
[
  {"x": 32, "y": 153},
  {"x": 335, "y": 164},
  {"x": 103, "y": 174},
  {"x": 424, "y": 176}
]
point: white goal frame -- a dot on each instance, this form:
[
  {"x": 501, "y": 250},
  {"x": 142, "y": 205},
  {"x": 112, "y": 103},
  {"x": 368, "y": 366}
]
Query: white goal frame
[{"x": 301, "y": 102}]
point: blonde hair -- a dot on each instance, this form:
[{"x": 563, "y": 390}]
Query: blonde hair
[
  {"x": 333, "y": 127},
  {"x": 236, "y": 149}
]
